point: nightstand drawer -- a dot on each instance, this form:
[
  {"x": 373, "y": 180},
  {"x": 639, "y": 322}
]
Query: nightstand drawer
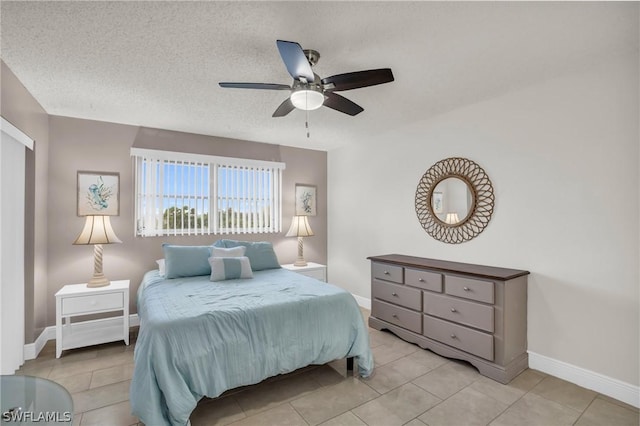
[
  {"x": 318, "y": 274},
  {"x": 92, "y": 303},
  {"x": 398, "y": 294}
]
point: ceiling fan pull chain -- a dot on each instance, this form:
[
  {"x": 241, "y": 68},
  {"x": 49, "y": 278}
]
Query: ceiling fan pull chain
[{"x": 306, "y": 122}]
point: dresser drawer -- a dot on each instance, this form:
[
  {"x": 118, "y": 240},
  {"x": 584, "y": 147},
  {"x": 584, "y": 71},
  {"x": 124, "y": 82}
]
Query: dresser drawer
[
  {"x": 396, "y": 315},
  {"x": 96, "y": 303},
  {"x": 423, "y": 279},
  {"x": 461, "y": 311},
  {"x": 471, "y": 341},
  {"x": 398, "y": 294},
  {"x": 384, "y": 271},
  {"x": 468, "y": 288}
]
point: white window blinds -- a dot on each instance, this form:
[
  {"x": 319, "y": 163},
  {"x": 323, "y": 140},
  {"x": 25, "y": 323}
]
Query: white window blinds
[{"x": 190, "y": 194}]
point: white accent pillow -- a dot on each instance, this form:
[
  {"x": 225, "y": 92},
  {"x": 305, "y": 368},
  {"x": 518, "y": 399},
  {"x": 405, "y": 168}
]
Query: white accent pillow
[
  {"x": 160, "y": 263},
  {"x": 230, "y": 268},
  {"x": 229, "y": 252}
]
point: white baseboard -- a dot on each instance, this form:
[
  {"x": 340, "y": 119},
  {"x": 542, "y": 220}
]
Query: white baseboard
[
  {"x": 31, "y": 350},
  {"x": 363, "y": 302},
  {"x": 600, "y": 383}
]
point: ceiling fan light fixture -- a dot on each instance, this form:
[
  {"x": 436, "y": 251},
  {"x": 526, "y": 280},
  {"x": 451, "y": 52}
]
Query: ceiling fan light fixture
[{"x": 306, "y": 99}]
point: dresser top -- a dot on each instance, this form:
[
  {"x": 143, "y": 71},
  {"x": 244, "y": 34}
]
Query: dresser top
[{"x": 491, "y": 272}]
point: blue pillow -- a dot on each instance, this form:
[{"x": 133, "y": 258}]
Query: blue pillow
[
  {"x": 260, "y": 254},
  {"x": 186, "y": 261},
  {"x": 230, "y": 268}
]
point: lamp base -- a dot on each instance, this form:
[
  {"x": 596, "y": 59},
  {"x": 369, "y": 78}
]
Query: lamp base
[
  {"x": 300, "y": 262},
  {"x": 98, "y": 280}
]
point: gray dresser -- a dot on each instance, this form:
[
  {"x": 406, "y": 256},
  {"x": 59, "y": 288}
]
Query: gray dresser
[{"x": 458, "y": 310}]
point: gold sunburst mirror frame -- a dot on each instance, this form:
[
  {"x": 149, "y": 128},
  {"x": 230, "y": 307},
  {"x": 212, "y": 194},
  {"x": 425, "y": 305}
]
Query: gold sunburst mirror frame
[{"x": 480, "y": 200}]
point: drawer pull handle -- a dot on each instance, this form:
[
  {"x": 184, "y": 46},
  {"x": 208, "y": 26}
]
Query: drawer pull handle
[
  {"x": 465, "y": 288},
  {"x": 394, "y": 315},
  {"x": 453, "y": 336},
  {"x": 386, "y": 272},
  {"x": 394, "y": 294},
  {"x": 453, "y": 310},
  {"x": 421, "y": 280}
]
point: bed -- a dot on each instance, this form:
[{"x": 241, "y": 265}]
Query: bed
[{"x": 200, "y": 338}]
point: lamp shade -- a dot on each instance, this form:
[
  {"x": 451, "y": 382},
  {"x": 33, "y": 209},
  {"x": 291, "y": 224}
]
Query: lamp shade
[
  {"x": 97, "y": 230},
  {"x": 300, "y": 227}
]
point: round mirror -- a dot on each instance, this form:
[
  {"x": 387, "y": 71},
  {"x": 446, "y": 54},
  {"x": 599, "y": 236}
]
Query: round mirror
[{"x": 454, "y": 200}]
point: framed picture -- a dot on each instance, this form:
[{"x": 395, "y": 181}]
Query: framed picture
[
  {"x": 98, "y": 193},
  {"x": 437, "y": 202},
  {"x": 305, "y": 200}
]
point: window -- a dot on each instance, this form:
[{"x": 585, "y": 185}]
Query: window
[{"x": 191, "y": 194}]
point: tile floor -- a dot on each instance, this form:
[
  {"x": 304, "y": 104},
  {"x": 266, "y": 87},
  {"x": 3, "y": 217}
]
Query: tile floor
[{"x": 410, "y": 387}]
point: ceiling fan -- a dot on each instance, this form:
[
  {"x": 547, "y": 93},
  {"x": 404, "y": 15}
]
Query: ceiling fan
[{"x": 309, "y": 91}]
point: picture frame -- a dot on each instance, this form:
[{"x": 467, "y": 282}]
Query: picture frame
[
  {"x": 98, "y": 193},
  {"x": 437, "y": 202},
  {"x": 305, "y": 200}
]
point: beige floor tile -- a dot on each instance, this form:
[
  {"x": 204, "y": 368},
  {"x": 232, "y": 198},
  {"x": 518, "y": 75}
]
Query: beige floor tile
[
  {"x": 326, "y": 376},
  {"x": 448, "y": 379},
  {"x": 116, "y": 414},
  {"x": 617, "y": 402},
  {"x": 270, "y": 394},
  {"x": 506, "y": 394},
  {"x": 100, "y": 397},
  {"x": 71, "y": 369},
  {"x": 565, "y": 393},
  {"x": 77, "y": 419},
  {"x": 282, "y": 415},
  {"x": 107, "y": 376},
  {"x": 427, "y": 358},
  {"x": 527, "y": 380},
  {"x": 534, "y": 410},
  {"x": 384, "y": 354},
  {"x": 35, "y": 370},
  {"x": 382, "y": 337},
  {"x": 345, "y": 419},
  {"x": 330, "y": 401},
  {"x": 396, "y": 407},
  {"x": 218, "y": 411},
  {"x": 74, "y": 384},
  {"x": 602, "y": 412},
  {"x": 415, "y": 422},
  {"x": 467, "y": 407},
  {"x": 397, "y": 373}
]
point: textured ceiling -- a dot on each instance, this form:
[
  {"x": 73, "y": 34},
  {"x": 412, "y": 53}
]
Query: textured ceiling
[{"x": 157, "y": 64}]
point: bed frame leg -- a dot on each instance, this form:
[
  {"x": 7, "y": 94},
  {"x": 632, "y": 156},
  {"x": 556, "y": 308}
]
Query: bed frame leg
[{"x": 350, "y": 371}]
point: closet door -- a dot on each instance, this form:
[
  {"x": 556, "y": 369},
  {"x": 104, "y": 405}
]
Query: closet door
[{"x": 12, "y": 200}]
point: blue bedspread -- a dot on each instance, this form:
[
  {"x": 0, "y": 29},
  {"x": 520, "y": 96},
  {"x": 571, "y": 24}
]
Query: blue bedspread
[{"x": 200, "y": 338}]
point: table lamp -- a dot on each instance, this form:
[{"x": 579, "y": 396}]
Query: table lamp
[
  {"x": 300, "y": 228},
  {"x": 97, "y": 231}
]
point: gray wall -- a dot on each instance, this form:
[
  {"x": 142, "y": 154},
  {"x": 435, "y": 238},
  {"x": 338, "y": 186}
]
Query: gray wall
[
  {"x": 21, "y": 109},
  {"x": 77, "y": 144}
]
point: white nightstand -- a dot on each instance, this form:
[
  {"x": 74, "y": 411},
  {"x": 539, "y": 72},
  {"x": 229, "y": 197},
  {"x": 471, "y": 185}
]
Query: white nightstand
[
  {"x": 77, "y": 299},
  {"x": 313, "y": 270}
]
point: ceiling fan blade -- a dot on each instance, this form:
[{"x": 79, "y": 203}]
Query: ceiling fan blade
[
  {"x": 267, "y": 86},
  {"x": 342, "y": 104},
  {"x": 285, "y": 108},
  {"x": 295, "y": 60},
  {"x": 355, "y": 80}
]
